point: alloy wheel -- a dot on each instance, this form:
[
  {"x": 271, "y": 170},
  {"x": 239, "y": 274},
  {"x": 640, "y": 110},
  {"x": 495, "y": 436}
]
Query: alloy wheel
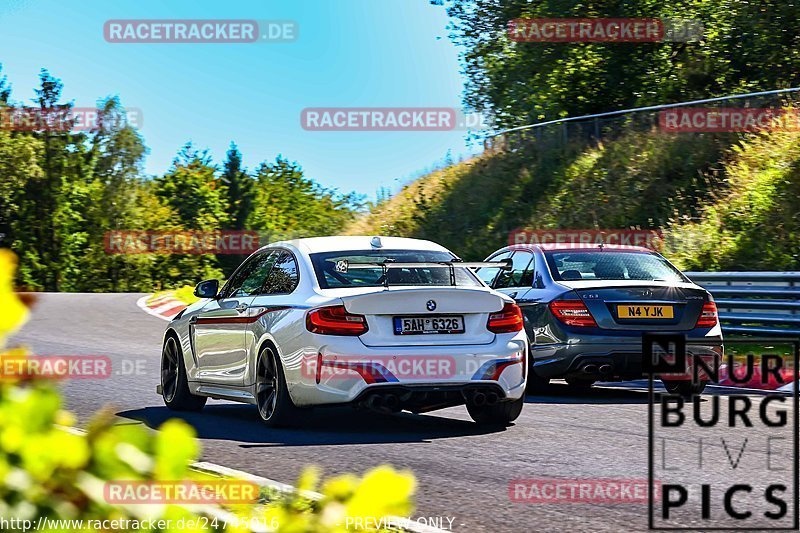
[
  {"x": 169, "y": 369},
  {"x": 266, "y": 385}
]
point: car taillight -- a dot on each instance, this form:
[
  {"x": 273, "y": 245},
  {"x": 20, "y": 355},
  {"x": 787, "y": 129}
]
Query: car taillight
[
  {"x": 335, "y": 320},
  {"x": 508, "y": 320},
  {"x": 572, "y": 313},
  {"x": 708, "y": 317}
]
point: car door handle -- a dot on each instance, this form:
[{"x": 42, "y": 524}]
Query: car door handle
[{"x": 241, "y": 308}]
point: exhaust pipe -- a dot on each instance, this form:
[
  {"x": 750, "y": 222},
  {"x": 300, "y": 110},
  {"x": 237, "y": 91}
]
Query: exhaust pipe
[
  {"x": 478, "y": 399},
  {"x": 590, "y": 369},
  {"x": 391, "y": 401},
  {"x": 375, "y": 402},
  {"x": 492, "y": 398},
  {"x": 606, "y": 369}
]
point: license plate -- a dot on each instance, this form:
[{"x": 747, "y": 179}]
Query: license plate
[
  {"x": 645, "y": 311},
  {"x": 417, "y": 325}
]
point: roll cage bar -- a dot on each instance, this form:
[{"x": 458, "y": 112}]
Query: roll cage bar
[{"x": 343, "y": 266}]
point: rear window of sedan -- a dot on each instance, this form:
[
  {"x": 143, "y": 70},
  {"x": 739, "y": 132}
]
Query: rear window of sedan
[
  {"x": 611, "y": 265},
  {"x": 329, "y": 278}
]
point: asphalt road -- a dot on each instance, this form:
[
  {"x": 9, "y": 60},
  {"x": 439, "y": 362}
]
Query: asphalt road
[{"x": 463, "y": 471}]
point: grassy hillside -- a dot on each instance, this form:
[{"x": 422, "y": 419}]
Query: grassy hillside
[
  {"x": 754, "y": 223},
  {"x": 723, "y": 200}
]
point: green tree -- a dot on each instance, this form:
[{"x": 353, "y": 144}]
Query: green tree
[
  {"x": 745, "y": 46},
  {"x": 191, "y": 190},
  {"x": 190, "y": 187},
  {"x": 240, "y": 196},
  {"x": 239, "y": 186},
  {"x": 19, "y": 164},
  {"x": 5, "y": 88},
  {"x": 117, "y": 153},
  {"x": 52, "y": 225},
  {"x": 62, "y": 191},
  {"x": 290, "y": 205}
]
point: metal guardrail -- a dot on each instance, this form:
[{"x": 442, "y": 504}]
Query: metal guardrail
[
  {"x": 645, "y": 108},
  {"x": 759, "y": 303}
]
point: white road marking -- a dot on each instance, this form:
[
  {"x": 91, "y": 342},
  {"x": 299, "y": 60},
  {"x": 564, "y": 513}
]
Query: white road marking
[
  {"x": 283, "y": 488},
  {"x": 658, "y": 387}
]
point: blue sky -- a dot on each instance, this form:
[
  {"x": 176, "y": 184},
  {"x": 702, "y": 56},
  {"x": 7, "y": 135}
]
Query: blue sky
[{"x": 349, "y": 53}]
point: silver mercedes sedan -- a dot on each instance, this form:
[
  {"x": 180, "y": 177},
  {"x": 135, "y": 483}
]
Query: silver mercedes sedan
[{"x": 586, "y": 308}]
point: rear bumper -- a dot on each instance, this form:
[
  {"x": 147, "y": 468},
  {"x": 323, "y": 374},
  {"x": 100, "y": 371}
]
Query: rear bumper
[
  {"x": 344, "y": 370},
  {"x": 611, "y": 361},
  {"x": 423, "y": 398}
]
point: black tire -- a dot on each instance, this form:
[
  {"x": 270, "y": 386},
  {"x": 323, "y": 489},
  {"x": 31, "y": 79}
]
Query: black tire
[
  {"x": 685, "y": 388},
  {"x": 537, "y": 385},
  {"x": 275, "y": 406},
  {"x": 499, "y": 414},
  {"x": 580, "y": 385},
  {"x": 174, "y": 384}
]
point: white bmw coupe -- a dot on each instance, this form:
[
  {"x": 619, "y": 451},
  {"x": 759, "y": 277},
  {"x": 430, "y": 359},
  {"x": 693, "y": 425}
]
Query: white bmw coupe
[{"x": 383, "y": 323}]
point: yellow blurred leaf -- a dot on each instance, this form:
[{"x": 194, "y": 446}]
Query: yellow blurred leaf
[{"x": 13, "y": 312}]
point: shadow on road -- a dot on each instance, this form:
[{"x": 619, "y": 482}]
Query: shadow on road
[
  {"x": 325, "y": 426},
  {"x": 557, "y": 393},
  {"x": 561, "y": 393}
]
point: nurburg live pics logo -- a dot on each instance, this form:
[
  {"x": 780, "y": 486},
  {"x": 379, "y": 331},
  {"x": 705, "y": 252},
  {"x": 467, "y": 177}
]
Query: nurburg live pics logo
[{"x": 722, "y": 461}]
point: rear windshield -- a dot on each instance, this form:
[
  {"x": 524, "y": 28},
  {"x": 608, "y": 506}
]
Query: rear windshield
[
  {"x": 325, "y": 262},
  {"x": 611, "y": 265}
]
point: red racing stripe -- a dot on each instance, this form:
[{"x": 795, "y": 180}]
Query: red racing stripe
[{"x": 240, "y": 319}]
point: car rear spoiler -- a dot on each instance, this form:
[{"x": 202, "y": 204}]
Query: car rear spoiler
[{"x": 344, "y": 265}]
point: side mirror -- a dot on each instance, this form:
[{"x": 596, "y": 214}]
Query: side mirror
[{"x": 207, "y": 289}]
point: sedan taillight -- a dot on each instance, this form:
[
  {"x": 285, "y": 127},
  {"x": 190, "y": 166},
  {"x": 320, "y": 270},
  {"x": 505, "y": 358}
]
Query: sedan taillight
[
  {"x": 335, "y": 320},
  {"x": 708, "y": 317},
  {"x": 572, "y": 313},
  {"x": 508, "y": 320}
]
